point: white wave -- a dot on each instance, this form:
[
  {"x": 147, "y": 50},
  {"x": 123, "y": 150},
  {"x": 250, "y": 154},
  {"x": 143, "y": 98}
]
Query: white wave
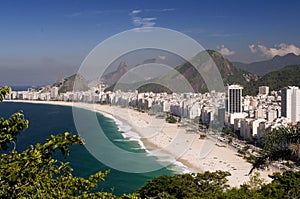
[
  {"x": 108, "y": 116},
  {"x": 136, "y": 148},
  {"x": 126, "y": 132},
  {"x": 121, "y": 140},
  {"x": 142, "y": 145},
  {"x": 170, "y": 162},
  {"x": 180, "y": 167},
  {"x": 132, "y": 135},
  {"x": 164, "y": 158}
]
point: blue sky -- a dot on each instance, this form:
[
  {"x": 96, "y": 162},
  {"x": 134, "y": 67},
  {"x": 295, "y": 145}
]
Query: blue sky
[{"x": 44, "y": 41}]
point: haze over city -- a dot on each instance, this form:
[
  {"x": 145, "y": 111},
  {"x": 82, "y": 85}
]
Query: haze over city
[{"x": 45, "y": 41}]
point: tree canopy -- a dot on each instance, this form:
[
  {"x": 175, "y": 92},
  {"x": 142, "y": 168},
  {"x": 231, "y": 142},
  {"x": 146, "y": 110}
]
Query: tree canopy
[
  {"x": 203, "y": 185},
  {"x": 282, "y": 143}
]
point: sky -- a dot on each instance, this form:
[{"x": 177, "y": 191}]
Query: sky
[{"x": 42, "y": 41}]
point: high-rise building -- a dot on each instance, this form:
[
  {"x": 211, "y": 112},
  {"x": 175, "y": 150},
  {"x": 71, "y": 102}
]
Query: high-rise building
[
  {"x": 234, "y": 99},
  {"x": 290, "y": 103},
  {"x": 54, "y": 93}
]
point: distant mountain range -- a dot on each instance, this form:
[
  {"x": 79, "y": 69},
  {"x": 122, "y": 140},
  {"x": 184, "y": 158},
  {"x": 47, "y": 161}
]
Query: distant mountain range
[
  {"x": 171, "y": 81},
  {"x": 186, "y": 71},
  {"x": 263, "y": 67}
]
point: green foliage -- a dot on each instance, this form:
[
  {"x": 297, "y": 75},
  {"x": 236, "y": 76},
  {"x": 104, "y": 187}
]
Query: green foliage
[
  {"x": 3, "y": 92},
  {"x": 171, "y": 119},
  {"x": 202, "y": 185},
  {"x": 34, "y": 173},
  {"x": 256, "y": 183},
  {"x": 251, "y": 189},
  {"x": 213, "y": 185},
  {"x": 282, "y": 138},
  {"x": 276, "y": 80},
  {"x": 10, "y": 128},
  {"x": 279, "y": 145},
  {"x": 153, "y": 87},
  {"x": 202, "y": 136},
  {"x": 286, "y": 185},
  {"x": 229, "y": 131}
]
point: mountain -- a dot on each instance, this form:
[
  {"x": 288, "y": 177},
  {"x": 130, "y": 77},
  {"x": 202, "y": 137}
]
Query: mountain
[
  {"x": 276, "y": 80},
  {"x": 113, "y": 77},
  {"x": 185, "y": 77},
  {"x": 68, "y": 84},
  {"x": 229, "y": 73},
  {"x": 276, "y": 63}
]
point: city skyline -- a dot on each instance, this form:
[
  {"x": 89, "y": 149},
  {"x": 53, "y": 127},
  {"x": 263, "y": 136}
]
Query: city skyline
[{"x": 43, "y": 42}]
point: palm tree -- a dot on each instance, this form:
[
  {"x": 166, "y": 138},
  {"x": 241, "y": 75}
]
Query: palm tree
[{"x": 281, "y": 143}]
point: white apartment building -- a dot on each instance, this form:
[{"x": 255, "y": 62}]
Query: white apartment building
[
  {"x": 54, "y": 93},
  {"x": 290, "y": 103}
]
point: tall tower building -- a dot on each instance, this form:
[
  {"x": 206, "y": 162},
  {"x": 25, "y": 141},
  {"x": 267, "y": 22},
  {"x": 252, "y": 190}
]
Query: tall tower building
[
  {"x": 234, "y": 99},
  {"x": 54, "y": 93},
  {"x": 290, "y": 103}
]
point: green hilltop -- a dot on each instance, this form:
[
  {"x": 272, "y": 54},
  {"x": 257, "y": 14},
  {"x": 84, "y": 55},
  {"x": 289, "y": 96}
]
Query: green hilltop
[{"x": 276, "y": 80}]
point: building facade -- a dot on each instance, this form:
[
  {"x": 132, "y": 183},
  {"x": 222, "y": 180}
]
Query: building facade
[
  {"x": 234, "y": 99},
  {"x": 290, "y": 103}
]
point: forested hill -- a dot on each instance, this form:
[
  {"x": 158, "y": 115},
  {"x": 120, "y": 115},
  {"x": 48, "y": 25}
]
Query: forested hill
[
  {"x": 229, "y": 73},
  {"x": 276, "y": 80}
]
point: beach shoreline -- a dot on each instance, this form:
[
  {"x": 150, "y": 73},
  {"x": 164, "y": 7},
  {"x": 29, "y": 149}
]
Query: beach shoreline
[{"x": 198, "y": 155}]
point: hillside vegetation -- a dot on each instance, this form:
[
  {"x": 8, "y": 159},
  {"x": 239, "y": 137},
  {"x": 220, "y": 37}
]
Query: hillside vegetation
[{"x": 287, "y": 76}]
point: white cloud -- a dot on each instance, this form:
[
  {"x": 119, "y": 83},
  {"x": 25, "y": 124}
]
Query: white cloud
[
  {"x": 137, "y": 21},
  {"x": 160, "y": 10},
  {"x": 142, "y": 22},
  {"x": 168, "y": 9},
  {"x": 225, "y": 51},
  {"x": 281, "y": 49},
  {"x": 252, "y": 48},
  {"x": 149, "y": 19},
  {"x": 135, "y": 11}
]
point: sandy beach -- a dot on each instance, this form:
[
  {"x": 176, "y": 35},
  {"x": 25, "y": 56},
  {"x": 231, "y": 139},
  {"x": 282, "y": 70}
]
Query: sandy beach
[{"x": 197, "y": 154}]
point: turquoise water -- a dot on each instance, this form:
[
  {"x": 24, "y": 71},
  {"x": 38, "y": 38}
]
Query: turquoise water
[{"x": 45, "y": 120}]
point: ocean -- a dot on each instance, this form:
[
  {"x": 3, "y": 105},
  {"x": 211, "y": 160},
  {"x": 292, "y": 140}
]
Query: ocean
[{"x": 45, "y": 120}]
